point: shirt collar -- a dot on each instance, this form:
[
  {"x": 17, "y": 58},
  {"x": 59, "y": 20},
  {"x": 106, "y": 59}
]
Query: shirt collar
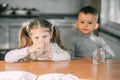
[{"x": 91, "y": 36}]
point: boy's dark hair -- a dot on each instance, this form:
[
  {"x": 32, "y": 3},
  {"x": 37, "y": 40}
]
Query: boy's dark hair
[{"x": 88, "y": 9}]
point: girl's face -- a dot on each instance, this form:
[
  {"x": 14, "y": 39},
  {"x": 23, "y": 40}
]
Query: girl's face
[
  {"x": 40, "y": 35},
  {"x": 86, "y": 23}
]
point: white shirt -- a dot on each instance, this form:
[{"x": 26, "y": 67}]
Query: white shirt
[{"x": 58, "y": 54}]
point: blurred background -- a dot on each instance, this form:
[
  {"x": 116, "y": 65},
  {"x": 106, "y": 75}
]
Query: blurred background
[{"x": 64, "y": 12}]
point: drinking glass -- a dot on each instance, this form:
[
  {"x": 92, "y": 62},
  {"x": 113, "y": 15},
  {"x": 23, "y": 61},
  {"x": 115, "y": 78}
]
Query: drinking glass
[{"x": 99, "y": 56}]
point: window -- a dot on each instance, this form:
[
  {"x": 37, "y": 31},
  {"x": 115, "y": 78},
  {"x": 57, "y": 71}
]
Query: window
[
  {"x": 114, "y": 11},
  {"x": 110, "y": 11}
]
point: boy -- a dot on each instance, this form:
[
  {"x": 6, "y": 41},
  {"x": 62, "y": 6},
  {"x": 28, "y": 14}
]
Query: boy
[{"x": 84, "y": 44}]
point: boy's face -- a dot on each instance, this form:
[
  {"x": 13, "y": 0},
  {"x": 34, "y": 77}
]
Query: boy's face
[
  {"x": 86, "y": 23},
  {"x": 40, "y": 35}
]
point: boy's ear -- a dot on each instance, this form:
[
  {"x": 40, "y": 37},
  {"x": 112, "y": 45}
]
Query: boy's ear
[
  {"x": 76, "y": 24},
  {"x": 96, "y": 26}
]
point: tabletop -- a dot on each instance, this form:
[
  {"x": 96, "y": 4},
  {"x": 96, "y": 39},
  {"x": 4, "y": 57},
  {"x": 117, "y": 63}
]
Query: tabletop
[{"x": 82, "y": 68}]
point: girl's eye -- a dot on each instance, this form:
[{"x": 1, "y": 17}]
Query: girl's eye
[{"x": 44, "y": 36}]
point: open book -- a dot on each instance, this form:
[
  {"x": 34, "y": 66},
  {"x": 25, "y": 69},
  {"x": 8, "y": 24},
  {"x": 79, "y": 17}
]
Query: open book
[{"x": 23, "y": 75}]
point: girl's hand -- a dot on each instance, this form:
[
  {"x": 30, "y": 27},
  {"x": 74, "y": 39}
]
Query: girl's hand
[
  {"x": 36, "y": 48},
  {"x": 47, "y": 51},
  {"x": 47, "y": 48},
  {"x": 46, "y": 55}
]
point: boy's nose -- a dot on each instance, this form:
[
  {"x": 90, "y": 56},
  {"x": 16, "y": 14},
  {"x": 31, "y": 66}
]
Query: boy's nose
[{"x": 86, "y": 25}]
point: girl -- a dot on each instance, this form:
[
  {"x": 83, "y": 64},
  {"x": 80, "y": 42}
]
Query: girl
[{"x": 38, "y": 40}]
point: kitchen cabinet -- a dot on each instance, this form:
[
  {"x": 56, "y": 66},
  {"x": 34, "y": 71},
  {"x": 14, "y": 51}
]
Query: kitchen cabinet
[
  {"x": 4, "y": 36},
  {"x": 13, "y": 35},
  {"x": 9, "y": 28},
  {"x": 9, "y": 32},
  {"x": 4, "y": 39}
]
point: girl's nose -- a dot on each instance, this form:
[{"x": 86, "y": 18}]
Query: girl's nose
[{"x": 41, "y": 40}]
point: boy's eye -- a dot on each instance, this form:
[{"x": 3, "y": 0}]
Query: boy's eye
[
  {"x": 82, "y": 22},
  {"x": 36, "y": 37},
  {"x": 90, "y": 23}
]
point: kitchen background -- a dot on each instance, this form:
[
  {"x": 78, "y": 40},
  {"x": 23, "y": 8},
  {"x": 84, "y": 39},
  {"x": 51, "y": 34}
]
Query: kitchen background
[{"x": 64, "y": 12}]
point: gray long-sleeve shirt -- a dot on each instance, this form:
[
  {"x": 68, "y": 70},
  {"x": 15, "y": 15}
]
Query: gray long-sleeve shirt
[{"x": 84, "y": 45}]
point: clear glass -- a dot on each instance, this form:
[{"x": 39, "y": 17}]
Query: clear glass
[{"x": 98, "y": 56}]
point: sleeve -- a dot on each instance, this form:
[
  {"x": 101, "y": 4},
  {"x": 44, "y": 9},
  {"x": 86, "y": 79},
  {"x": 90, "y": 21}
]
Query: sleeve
[
  {"x": 108, "y": 51},
  {"x": 59, "y": 54},
  {"x": 72, "y": 48},
  {"x": 16, "y": 55}
]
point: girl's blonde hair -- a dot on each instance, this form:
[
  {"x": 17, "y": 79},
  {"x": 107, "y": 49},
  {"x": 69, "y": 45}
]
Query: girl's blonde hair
[{"x": 24, "y": 32}]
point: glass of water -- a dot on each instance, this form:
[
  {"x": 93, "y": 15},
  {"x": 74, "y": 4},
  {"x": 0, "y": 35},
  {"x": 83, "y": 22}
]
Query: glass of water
[{"x": 99, "y": 56}]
